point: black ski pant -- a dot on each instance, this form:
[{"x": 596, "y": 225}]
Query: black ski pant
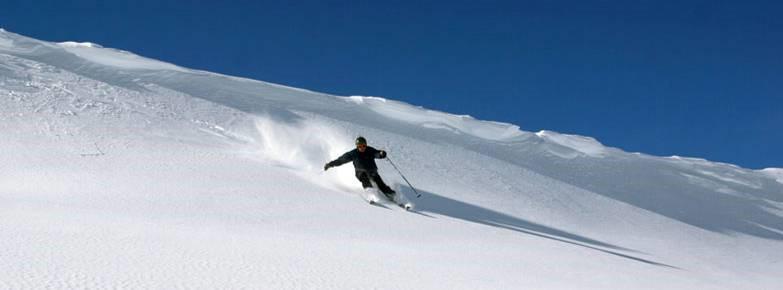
[{"x": 366, "y": 176}]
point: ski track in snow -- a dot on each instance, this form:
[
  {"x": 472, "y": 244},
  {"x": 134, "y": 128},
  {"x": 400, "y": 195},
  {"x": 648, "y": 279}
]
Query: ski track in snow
[{"x": 124, "y": 172}]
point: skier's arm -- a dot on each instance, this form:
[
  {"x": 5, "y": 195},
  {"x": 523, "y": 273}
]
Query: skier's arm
[{"x": 345, "y": 158}]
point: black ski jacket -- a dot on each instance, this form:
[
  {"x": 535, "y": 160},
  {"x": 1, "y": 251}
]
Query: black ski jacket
[{"x": 362, "y": 161}]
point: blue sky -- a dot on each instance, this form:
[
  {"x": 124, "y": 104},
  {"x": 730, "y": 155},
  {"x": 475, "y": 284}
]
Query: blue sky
[{"x": 690, "y": 78}]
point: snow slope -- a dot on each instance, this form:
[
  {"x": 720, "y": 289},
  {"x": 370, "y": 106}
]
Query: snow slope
[{"x": 122, "y": 171}]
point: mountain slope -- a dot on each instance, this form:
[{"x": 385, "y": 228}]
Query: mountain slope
[{"x": 130, "y": 172}]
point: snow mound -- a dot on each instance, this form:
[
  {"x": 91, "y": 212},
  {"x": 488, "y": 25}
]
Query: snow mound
[
  {"x": 79, "y": 44},
  {"x": 776, "y": 173},
  {"x": 585, "y": 145},
  {"x": 459, "y": 124},
  {"x": 115, "y": 58},
  {"x": 93, "y": 53}
]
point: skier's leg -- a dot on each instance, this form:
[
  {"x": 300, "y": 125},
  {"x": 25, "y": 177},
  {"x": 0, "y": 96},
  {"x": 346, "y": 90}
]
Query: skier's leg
[
  {"x": 363, "y": 178},
  {"x": 381, "y": 185},
  {"x": 369, "y": 195}
]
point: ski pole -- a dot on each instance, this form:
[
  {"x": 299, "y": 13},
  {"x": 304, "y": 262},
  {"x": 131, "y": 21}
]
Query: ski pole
[{"x": 403, "y": 177}]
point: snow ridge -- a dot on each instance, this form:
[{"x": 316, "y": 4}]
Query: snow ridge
[{"x": 460, "y": 124}]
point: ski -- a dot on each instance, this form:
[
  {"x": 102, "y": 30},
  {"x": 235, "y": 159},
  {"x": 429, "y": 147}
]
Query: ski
[
  {"x": 373, "y": 197},
  {"x": 404, "y": 205}
]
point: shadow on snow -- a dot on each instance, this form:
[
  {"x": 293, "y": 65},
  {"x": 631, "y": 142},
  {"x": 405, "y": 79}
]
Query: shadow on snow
[{"x": 438, "y": 204}]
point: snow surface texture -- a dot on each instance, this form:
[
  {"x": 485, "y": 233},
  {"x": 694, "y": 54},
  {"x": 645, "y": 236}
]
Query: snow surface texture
[{"x": 124, "y": 172}]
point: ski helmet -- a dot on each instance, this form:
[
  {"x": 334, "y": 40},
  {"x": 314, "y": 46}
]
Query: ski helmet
[{"x": 361, "y": 140}]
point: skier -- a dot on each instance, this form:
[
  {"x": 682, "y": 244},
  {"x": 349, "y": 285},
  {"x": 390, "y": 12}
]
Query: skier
[{"x": 363, "y": 158}]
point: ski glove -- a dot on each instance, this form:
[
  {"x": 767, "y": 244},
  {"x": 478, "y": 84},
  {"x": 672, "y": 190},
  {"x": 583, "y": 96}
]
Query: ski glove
[{"x": 326, "y": 167}]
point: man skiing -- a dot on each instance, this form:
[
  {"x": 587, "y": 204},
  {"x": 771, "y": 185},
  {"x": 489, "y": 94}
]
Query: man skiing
[{"x": 363, "y": 158}]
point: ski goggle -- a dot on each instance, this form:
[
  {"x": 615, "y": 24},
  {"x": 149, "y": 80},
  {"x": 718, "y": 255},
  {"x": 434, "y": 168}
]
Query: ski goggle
[{"x": 362, "y": 146}]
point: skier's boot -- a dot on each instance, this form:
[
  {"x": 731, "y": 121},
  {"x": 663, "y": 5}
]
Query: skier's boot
[{"x": 390, "y": 195}]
